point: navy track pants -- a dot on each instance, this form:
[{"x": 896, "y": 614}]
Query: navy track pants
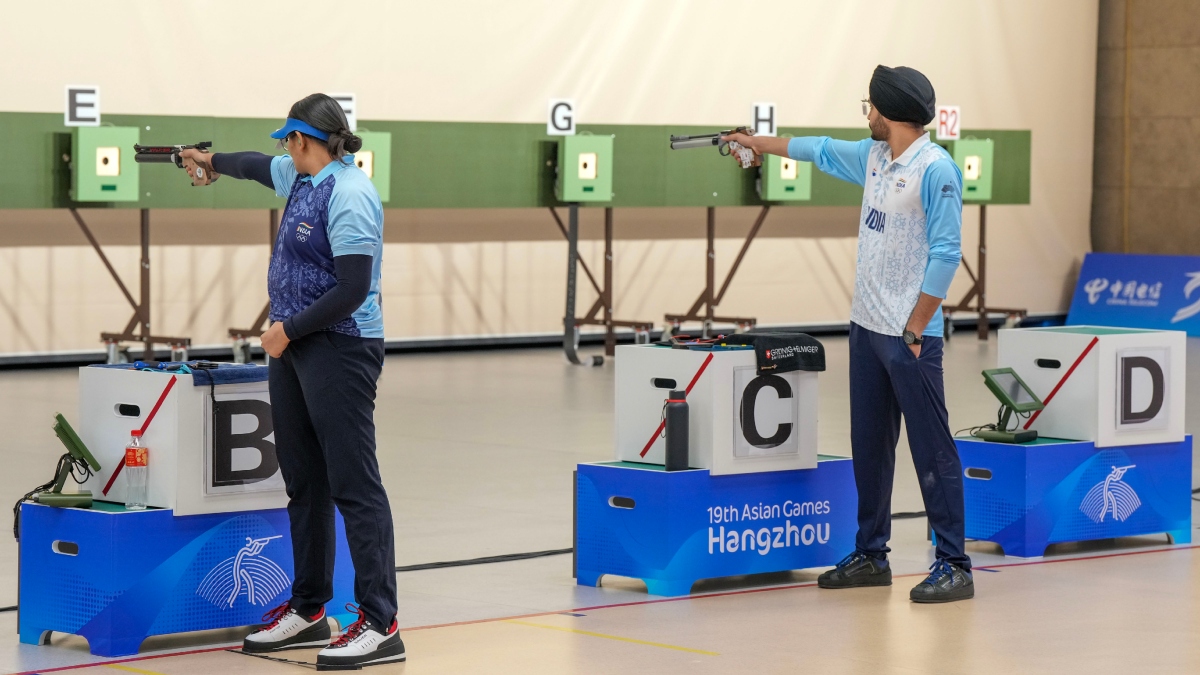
[
  {"x": 323, "y": 406},
  {"x": 886, "y": 380}
]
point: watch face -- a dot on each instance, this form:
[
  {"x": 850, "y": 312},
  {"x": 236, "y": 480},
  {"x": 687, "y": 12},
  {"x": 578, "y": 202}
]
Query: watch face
[{"x": 909, "y": 337}]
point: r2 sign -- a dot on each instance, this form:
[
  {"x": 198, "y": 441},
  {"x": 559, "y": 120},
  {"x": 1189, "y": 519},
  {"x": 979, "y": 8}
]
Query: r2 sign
[{"x": 948, "y": 127}]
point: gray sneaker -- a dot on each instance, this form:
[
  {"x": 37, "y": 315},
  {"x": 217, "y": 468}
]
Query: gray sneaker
[
  {"x": 857, "y": 570},
  {"x": 946, "y": 583}
]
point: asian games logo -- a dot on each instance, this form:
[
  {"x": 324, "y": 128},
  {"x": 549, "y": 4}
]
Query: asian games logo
[
  {"x": 249, "y": 574},
  {"x": 1111, "y": 496}
]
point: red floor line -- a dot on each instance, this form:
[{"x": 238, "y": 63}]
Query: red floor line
[{"x": 702, "y": 596}]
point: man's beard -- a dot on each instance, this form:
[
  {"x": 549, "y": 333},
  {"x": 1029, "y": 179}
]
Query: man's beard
[{"x": 880, "y": 131}]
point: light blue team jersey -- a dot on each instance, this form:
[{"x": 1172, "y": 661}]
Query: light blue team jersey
[
  {"x": 910, "y": 230},
  {"x": 336, "y": 212}
]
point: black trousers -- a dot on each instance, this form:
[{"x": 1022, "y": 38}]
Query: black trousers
[
  {"x": 886, "y": 381},
  {"x": 323, "y": 405}
]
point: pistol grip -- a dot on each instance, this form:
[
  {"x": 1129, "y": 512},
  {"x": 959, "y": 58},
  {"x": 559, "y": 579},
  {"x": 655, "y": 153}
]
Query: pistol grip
[{"x": 201, "y": 175}]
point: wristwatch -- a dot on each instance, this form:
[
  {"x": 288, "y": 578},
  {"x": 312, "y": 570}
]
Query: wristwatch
[{"x": 911, "y": 338}]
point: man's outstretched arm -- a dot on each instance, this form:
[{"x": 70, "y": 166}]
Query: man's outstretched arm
[{"x": 844, "y": 160}]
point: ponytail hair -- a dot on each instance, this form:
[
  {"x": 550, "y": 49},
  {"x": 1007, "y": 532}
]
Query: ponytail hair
[
  {"x": 342, "y": 143},
  {"x": 324, "y": 113}
]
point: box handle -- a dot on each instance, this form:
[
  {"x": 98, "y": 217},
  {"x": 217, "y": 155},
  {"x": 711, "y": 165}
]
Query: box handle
[
  {"x": 978, "y": 474},
  {"x": 621, "y": 502},
  {"x": 127, "y": 410},
  {"x": 1048, "y": 363},
  {"x": 65, "y": 547}
]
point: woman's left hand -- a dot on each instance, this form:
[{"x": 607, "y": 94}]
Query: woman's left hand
[{"x": 274, "y": 341}]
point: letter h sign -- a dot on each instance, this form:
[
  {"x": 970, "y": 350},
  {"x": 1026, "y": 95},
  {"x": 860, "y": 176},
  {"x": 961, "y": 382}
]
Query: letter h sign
[{"x": 764, "y": 119}]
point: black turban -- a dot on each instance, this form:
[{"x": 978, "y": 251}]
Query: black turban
[{"x": 902, "y": 95}]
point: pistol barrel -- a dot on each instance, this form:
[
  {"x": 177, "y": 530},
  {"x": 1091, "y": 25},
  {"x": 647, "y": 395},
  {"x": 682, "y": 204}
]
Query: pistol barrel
[
  {"x": 154, "y": 158},
  {"x": 686, "y": 142}
]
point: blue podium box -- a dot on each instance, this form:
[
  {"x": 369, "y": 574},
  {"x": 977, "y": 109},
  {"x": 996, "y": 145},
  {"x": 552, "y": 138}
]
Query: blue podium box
[
  {"x": 671, "y": 529},
  {"x": 1028, "y": 496},
  {"x": 116, "y": 577}
]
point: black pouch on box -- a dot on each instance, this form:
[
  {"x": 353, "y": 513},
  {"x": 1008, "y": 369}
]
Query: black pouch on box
[{"x": 782, "y": 352}]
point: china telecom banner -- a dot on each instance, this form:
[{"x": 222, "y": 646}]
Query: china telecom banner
[{"x": 1138, "y": 291}]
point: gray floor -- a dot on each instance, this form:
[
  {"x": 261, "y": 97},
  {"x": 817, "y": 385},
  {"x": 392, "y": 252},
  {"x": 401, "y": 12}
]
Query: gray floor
[{"x": 477, "y": 451}]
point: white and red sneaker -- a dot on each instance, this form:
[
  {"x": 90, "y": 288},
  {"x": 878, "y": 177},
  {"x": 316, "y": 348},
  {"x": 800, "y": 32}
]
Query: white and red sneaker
[
  {"x": 288, "y": 629},
  {"x": 363, "y": 643}
]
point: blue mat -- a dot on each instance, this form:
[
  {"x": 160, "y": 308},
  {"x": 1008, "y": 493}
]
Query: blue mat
[
  {"x": 225, "y": 373},
  {"x": 231, "y": 373}
]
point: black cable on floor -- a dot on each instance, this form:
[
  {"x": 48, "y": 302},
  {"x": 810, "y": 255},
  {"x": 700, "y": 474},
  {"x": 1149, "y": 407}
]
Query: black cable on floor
[
  {"x": 905, "y": 515},
  {"x": 507, "y": 557},
  {"x": 12, "y": 608}
]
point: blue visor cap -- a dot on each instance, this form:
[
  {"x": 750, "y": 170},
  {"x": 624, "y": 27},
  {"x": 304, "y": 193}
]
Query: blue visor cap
[{"x": 294, "y": 124}]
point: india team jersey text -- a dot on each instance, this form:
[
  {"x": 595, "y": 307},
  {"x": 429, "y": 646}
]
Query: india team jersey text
[
  {"x": 910, "y": 230},
  {"x": 336, "y": 212}
]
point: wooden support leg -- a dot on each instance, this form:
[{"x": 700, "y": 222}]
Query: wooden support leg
[
  {"x": 710, "y": 271},
  {"x": 610, "y": 337},
  {"x": 981, "y": 280},
  {"x": 144, "y": 309},
  {"x": 710, "y": 297},
  {"x": 141, "y": 307}
]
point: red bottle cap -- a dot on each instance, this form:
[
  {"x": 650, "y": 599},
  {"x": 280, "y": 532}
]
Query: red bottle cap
[{"x": 136, "y": 432}]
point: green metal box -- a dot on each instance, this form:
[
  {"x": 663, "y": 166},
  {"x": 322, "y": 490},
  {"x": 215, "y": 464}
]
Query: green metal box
[
  {"x": 974, "y": 158},
  {"x": 585, "y": 169},
  {"x": 784, "y": 180},
  {"x": 102, "y": 166},
  {"x": 375, "y": 159}
]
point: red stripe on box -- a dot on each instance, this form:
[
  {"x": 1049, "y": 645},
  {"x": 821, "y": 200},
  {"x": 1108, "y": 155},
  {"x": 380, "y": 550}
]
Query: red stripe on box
[
  {"x": 149, "y": 418},
  {"x": 663, "y": 424},
  {"x": 1050, "y": 396}
]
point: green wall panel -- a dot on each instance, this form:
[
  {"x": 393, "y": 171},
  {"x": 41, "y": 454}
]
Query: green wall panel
[
  {"x": 450, "y": 165},
  {"x": 639, "y": 176},
  {"x": 444, "y": 165},
  {"x": 243, "y": 134},
  {"x": 34, "y": 174},
  {"x": 1010, "y": 176}
]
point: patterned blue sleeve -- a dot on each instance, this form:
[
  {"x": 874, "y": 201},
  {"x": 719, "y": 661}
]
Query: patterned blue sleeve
[
  {"x": 283, "y": 173},
  {"x": 355, "y": 216},
  {"x": 941, "y": 195},
  {"x": 846, "y": 160}
]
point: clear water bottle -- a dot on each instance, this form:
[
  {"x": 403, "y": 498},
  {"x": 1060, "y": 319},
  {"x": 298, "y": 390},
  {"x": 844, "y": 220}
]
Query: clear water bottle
[{"x": 137, "y": 472}]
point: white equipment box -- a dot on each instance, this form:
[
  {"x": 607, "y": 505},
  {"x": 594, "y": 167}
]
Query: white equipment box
[
  {"x": 1113, "y": 386},
  {"x": 199, "y": 462},
  {"x": 738, "y": 420}
]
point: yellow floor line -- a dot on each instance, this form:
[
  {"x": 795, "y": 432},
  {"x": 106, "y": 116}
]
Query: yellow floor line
[
  {"x": 128, "y": 669},
  {"x": 614, "y": 637}
]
